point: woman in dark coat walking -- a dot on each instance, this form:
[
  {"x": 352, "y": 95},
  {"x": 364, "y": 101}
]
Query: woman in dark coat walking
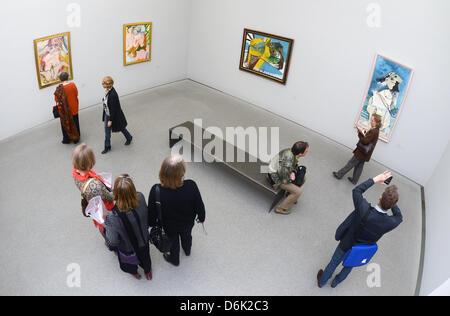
[
  {"x": 113, "y": 116},
  {"x": 366, "y": 140},
  {"x": 127, "y": 228},
  {"x": 181, "y": 204}
]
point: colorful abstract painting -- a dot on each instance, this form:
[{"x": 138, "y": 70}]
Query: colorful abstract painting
[
  {"x": 137, "y": 43},
  {"x": 386, "y": 94},
  {"x": 53, "y": 56},
  {"x": 266, "y": 55}
]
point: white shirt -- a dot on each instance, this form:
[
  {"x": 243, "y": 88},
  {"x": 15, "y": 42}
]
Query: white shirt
[{"x": 379, "y": 209}]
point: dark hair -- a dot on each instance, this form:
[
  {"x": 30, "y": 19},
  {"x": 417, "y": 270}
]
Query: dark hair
[
  {"x": 299, "y": 148},
  {"x": 64, "y": 76},
  {"x": 389, "y": 198}
]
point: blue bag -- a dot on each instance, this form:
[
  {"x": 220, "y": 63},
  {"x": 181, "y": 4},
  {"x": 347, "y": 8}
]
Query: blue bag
[{"x": 360, "y": 255}]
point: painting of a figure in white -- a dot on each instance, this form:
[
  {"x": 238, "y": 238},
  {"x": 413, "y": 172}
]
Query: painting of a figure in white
[{"x": 387, "y": 91}]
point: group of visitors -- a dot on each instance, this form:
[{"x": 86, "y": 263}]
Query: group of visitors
[
  {"x": 129, "y": 218},
  {"x": 66, "y": 97},
  {"x": 367, "y": 223}
]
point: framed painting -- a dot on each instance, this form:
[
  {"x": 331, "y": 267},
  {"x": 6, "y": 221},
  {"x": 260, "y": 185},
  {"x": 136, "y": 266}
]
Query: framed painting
[
  {"x": 137, "y": 43},
  {"x": 386, "y": 94},
  {"x": 266, "y": 55},
  {"x": 53, "y": 56}
]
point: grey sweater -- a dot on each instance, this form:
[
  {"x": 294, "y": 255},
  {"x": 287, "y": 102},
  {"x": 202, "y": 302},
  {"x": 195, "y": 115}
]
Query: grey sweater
[{"x": 114, "y": 232}]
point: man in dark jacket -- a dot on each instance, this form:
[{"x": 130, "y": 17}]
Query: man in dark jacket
[{"x": 350, "y": 232}]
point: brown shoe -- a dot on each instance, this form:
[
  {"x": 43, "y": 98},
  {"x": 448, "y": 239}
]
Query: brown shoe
[
  {"x": 335, "y": 174},
  {"x": 149, "y": 275},
  {"x": 283, "y": 211},
  {"x": 137, "y": 276},
  {"x": 319, "y": 276}
]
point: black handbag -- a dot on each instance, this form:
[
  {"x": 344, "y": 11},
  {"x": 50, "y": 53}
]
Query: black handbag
[
  {"x": 55, "y": 111},
  {"x": 158, "y": 236},
  {"x": 300, "y": 173},
  {"x": 364, "y": 148}
]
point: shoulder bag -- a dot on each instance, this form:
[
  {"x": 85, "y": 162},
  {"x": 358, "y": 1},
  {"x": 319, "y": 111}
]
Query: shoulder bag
[{"x": 158, "y": 236}]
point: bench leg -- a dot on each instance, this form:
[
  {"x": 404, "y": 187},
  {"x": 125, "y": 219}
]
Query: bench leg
[{"x": 277, "y": 199}]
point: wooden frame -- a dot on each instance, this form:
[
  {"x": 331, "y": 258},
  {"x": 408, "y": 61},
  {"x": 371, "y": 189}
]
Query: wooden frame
[
  {"x": 133, "y": 50},
  {"x": 52, "y": 56},
  {"x": 386, "y": 93},
  {"x": 257, "y": 55}
]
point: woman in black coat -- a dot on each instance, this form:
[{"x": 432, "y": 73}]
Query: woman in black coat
[
  {"x": 113, "y": 116},
  {"x": 181, "y": 205}
]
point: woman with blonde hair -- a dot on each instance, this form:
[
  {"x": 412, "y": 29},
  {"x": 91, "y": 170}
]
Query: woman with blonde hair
[
  {"x": 127, "y": 228},
  {"x": 113, "y": 116},
  {"x": 364, "y": 150},
  {"x": 87, "y": 181},
  {"x": 181, "y": 205}
]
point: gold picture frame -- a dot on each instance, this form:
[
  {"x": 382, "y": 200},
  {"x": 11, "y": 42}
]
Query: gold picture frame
[
  {"x": 137, "y": 44},
  {"x": 52, "y": 56}
]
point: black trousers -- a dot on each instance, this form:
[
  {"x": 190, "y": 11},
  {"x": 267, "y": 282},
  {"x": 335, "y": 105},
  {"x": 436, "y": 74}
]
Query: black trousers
[
  {"x": 186, "y": 244},
  {"x": 143, "y": 255},
  {"x": 65, "y": 136}
]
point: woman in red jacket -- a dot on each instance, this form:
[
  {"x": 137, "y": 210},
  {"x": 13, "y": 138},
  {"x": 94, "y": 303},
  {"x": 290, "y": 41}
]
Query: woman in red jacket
[
  {"x": 88, "y": 182},
  {"x": 66, "y": 96}
]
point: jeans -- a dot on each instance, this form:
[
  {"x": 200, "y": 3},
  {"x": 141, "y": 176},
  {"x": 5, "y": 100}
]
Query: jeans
[
  {"x": 329, "y": 270},
  {"x": 108, "y": 133}
]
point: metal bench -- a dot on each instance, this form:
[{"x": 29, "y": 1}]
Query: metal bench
[{"x": 249, "y": 170}]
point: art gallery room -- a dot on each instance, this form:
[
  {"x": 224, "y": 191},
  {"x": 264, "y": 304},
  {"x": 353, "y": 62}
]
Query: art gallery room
[{"x": 275, "y": 72}]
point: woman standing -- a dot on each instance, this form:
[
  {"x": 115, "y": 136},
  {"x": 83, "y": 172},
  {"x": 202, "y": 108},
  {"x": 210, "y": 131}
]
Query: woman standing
[
  {"x": 113, "y": 116},
  {"x": 127, "y": 228},
  {"x": 87, "y": 181},
  {"x": 181, "y": 204},
  {"x": 363, "y": 151},
  {"x": 66, "y": 97}
]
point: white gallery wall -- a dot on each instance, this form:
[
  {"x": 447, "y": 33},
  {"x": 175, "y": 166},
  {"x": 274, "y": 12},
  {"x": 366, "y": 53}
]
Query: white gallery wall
[
  {"x": 97, "y": 46},
  {"x": 331, "y": 64},
  {"x": 437, "y": 199}
]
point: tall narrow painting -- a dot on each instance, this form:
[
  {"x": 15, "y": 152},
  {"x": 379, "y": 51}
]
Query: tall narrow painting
[
  {"x": 137, "y": 43},
  {"x": 53, "y": 56},
  {"x": 386, "y": 94},
  {"x": 266, "y": 55}
]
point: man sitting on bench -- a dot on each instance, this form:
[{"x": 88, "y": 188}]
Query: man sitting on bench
[{"x": 282, "y": 174}]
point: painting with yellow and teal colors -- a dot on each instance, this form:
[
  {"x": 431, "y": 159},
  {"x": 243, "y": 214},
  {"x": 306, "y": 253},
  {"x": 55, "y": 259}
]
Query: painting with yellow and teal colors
[{"x": 266, "y": 55}]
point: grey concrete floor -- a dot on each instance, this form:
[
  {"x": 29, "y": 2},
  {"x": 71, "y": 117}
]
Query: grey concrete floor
[{"x": 246, "y": 251}]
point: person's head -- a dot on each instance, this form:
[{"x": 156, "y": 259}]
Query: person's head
[
  {"x": 64, "y": 76},
  {"x": 389, "y": 198},
  {"x": 125, "y": 193},
  {"x": 375, "y": 121},
  {"x": 83, "y": 158},
  {"x": 300, "y": 149},
  {"x": 172, "y": 172},
  {"x": 107, "y": 82}
]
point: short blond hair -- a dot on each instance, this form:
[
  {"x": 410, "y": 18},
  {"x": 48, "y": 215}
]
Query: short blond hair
[
  {"x": 83, "y": 158},
  {"x": 108, "y": 81},
  {"x": 125, "y": 194},
  {"x": 172, "y": 172}
]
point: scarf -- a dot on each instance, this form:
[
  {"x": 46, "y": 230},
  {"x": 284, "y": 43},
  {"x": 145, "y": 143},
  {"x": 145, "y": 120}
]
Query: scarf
[{"x": 66, "y": 115}]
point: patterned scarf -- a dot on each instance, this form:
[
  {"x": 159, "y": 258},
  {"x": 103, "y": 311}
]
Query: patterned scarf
[{"x": 66, "y": 115}]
